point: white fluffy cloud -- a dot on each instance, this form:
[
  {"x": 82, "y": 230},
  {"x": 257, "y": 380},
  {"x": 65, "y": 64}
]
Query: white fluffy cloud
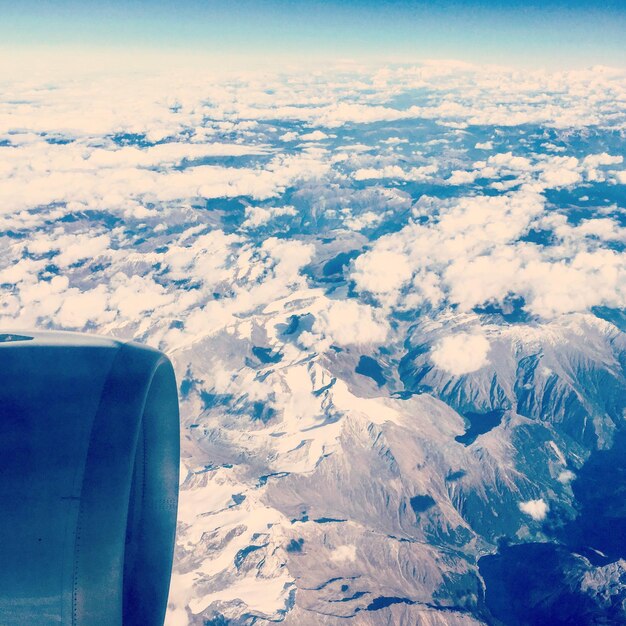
[
  {"x": 343, "y": 553},
  {"x": 566, "y": 477},
  {"x": 347, "y": 322},
  {"x": 382, "y": 271},
  {"x": 365, "y": 220},
  {"x": 461, "y": 353},
  {"x": 539, "y": 173},
  {"x": 257, "y": 216},
  {"x": 396, "y": 172},
  {"x": 289, "y": 136},
  {"x": 81, "y": 307},
  {"x": 316, "y": 135},
  {"x": 537, "y": 509},
  {"x": 39, "y": 175},
  {"x": 468, "y": 251}
]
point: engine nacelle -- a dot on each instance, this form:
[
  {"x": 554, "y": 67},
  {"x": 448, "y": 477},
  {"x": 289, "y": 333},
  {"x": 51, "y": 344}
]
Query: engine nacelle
[{"x": 89, "y": 463}]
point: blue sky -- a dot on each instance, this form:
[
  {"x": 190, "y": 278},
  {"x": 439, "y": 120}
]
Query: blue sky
[{"x": 551, "y": 32}]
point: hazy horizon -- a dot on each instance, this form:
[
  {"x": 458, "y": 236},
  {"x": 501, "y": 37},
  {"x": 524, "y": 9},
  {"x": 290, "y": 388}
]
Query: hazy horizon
[{"x": 548, "y": 34}]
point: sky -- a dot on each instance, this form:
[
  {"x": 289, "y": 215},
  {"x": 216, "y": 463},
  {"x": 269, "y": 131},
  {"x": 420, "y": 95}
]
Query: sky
[{"x": 549, "y": 32}]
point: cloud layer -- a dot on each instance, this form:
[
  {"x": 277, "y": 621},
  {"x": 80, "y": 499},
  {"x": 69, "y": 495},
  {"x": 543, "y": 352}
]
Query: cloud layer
[{"x": 297, "y": 242}]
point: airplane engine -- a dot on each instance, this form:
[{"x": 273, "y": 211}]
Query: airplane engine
[{"x": 89, "y": 464}]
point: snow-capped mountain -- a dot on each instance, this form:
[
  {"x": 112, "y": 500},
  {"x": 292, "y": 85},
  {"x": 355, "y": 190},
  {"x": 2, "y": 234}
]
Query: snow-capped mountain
[{"x": 334, "y": 478}]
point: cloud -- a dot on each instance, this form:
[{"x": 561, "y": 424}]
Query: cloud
[
  {"x": 396, "y": 172},
  {"x": 566, "y": 477},
  {"x": 75, "y": 248},
  {"x": 394, "y": 141},
  {"x": 540, "y": 172},
  {"x": 602, "y": 229},
  {"x": 365, "y": 220},
  {"x": 456, "y": 244},
  {"x": 81, "y": 307},
  {"x": 43, "y": 299},
  {"x": 461, "y": 177},
  {"x": 166, "y": 154},
  {"x": 593, "y": 165},
  {"x": 258, "y": 216},
  {"x": 461, "y": 353},
  {"x": 560, "y": 172},
  {"x": 621, "y": 177},
  {"x": 291, "y": 256},
  {"x": 343, "y": 553},
  {"x": 43, "y": 179},
  {"x": 509, "y": 162},
  {"x": 135, "y": 295},
  {"x": 595, "y": 160},
  {"x": 537, "y": 509},
  {"x": 347, "y": 322},
  {"x": 389, "y": 171},
  {"x": 381, "y": 271},
  {"x": 316, "y": 135}
]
